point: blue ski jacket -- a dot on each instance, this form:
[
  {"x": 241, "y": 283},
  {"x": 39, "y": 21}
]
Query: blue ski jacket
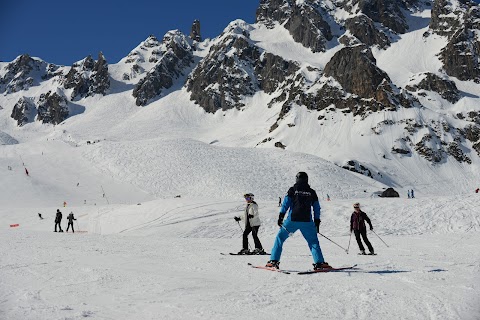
[{"x": 299, "y": 202}]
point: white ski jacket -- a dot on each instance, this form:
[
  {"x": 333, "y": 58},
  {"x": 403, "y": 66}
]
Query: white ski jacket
[{"x": 251, "y": 209}]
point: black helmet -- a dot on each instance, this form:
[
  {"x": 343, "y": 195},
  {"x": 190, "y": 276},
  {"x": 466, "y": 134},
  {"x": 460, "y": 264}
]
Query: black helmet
[{"x": 302, "y": 177}]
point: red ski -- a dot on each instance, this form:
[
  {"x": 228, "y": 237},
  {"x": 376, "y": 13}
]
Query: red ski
[{"x": 269, "y": 269}]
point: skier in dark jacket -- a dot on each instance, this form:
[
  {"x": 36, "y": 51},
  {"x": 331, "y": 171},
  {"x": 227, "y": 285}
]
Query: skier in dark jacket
[
  {"x": 70, "y": 219},
  {"x": 357, "y": 225},
  {"x": 299, "y": 202},
  {"x": 58, "y": 220}
]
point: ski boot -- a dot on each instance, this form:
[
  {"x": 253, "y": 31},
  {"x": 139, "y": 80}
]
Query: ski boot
[
  {"x": 244, "y": 251},
  {"x": 258, "y": 251},
  {"x": 362, "y": 253},
  {"x": 321, "y": 265},
  {"x": 372, "y": 253},
  {"x": 273, "y": 264}
]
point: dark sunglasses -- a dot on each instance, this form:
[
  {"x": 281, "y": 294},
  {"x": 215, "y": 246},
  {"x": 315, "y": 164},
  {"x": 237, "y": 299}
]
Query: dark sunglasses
[{"x": 356, "y": 207}]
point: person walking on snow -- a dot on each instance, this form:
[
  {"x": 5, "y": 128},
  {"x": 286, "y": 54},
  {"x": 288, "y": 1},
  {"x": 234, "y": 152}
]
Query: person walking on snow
[
  {"x": 252, "y": 224},
  {"x": 299, "y": 201},
  {"x": 70, "y": 219},
  {"x": 58, "y": 220},
  {"x": 357, "y": 225},
  {"x": 279, "y": 201}
]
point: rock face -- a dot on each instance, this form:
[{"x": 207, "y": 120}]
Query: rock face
[
  {"x": 88, "y": 77},
  {"x": 446, "y": 88},
  {"x": 364, "y": 31},
  {"x": 356, "y": 70},
  {"x": 24, "y": 111},
  {"x": 176, "y": 57},
  {"x": 235, "y": 68},
  {"x": 23, "y": 73},
  {"x": 52, "y": 108},
  {"x": 386, "y": 12},
  {"x": 195, "y": 32},
  {"x": 459, "y": 20},
  {"x": 303, "y": 19}
]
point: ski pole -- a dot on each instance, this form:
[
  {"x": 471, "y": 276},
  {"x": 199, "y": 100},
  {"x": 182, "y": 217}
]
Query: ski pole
[
  {"x": 333, "y": 242},
  {"x": 242, "y": 233},
  {"x": 289, "y": 233},
  {"x": 380, "y": 238},
  {"x": 349, "y": 242}
]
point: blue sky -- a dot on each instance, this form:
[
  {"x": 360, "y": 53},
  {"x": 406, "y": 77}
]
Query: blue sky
[{"x": 61, "y": 32}]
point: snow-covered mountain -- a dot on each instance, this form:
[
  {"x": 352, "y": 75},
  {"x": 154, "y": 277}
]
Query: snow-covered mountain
[{"x": 389, "y": 89}]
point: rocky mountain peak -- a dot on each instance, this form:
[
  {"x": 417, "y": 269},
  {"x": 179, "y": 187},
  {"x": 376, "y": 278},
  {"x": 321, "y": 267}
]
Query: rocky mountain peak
[
  {"x": 88, "y": 77},
  {"x": 174, "y": 57},
  {"x": 23, "y": 73},
  {"x": 304, "y": 20}
]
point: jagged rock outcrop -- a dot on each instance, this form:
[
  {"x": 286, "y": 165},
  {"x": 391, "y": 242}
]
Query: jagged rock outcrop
[
  {"x": 24, "y": 111},
  {"x": 459, "y": 20},
  {"x": 431, "y": 82},
  {"x": 364, "y": 31},
  {"x": 356, "y": 70},
  {"x": 52, "y": 108},
  {"x": 141, "y": 58},
  {"x": 195, "y": 31},
  {"x": 386, "y": 12},
  {"x": 22, "y": 73},
  {"x": 176, "y": 57},
  {"x": 234, "y": 68},
  {"x": 303, "y": 19},
  {"x": 88, "y": 77}
]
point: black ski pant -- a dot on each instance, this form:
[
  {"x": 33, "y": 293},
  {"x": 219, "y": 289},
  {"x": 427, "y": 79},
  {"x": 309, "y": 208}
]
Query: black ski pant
[
  {"x": 68, "y": 226},
  {"x": 59, "y": 226},
  {"x": 363, "y": 233},
  {"x": 247, "y": 231}
]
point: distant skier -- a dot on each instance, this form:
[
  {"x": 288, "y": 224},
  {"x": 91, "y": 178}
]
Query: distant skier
[
  {"x": 476, "y": 190},
  {"x": 40, "y": 216},
  {"x": 412, "y": 194},
  {"x": 357, "y": 225},
  {"x": 70, "y": 219},
  {"x": 328, "y": 197},
  {"x": 58, "y": 220},
  {"x": 26, "y": 171},
  {"x": 252, "y": 224},
  {"x": 298, "y": 202},
  {"x": 279, "y": 201},
  {"x": 408, "y": 194}
]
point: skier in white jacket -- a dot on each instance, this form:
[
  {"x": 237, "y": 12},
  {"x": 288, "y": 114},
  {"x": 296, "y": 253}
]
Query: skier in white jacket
[{"x": 252, "y": 224}]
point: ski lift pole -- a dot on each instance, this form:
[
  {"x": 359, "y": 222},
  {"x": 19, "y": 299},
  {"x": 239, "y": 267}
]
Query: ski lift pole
[
  {"x": 242, "y": 234},
  {"x": 333, "y": 242},
  {"x": 380, "y": 238},
  {"x": 104, "y": 194}
]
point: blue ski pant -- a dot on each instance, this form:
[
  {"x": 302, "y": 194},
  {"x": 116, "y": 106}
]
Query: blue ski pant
[{"x": 309, "y": 232}]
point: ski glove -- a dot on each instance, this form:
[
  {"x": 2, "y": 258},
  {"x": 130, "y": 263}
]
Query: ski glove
[
  {"x": 237, "y": 219},
  {"x": 317, "y": 224},
  {"x": 250, "y": 216},
  {"x": 280, "y": 219}
]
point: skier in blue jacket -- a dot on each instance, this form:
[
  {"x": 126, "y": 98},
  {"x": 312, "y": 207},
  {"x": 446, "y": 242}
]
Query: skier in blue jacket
[{"x": 299, "y": 201}]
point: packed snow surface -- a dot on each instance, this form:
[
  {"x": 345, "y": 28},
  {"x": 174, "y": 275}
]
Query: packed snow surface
[{"x": 155, "y": 189}]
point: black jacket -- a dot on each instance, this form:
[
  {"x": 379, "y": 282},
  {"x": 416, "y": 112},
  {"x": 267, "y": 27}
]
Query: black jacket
[
  {"x": 58, "y": 217},
  {"x": 357, "y": 221}
]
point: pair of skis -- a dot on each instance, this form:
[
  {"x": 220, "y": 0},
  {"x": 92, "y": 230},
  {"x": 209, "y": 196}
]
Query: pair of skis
[
  {"x": 245, "y": 254},
  {"x": 303, "y": 272}
]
